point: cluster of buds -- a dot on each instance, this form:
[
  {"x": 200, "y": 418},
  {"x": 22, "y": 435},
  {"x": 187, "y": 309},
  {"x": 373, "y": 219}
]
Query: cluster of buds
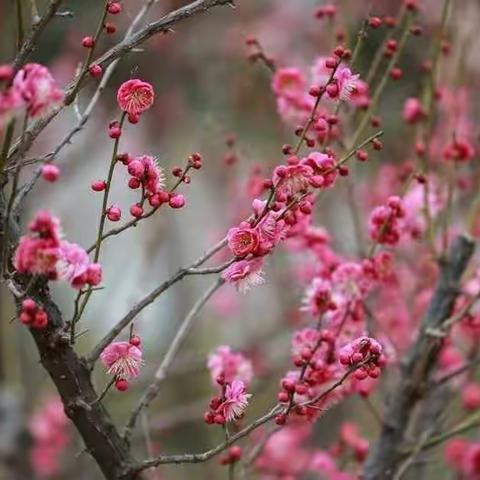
[
  {"x": 33, "y": 315},
  {"x": 230, "y": 405},
  {"x": 313, "y": 353},
  {"x": 385, "y": 222},
  {"x": 365, "y": 355}
]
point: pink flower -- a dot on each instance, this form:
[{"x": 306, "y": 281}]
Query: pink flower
[
  {"x": 231, "y": 365},
  {"x": 242, "y": 241},
  {"x": 135, "y": 96},
  {"x": 291, "y": 179},
  {"x": 288, "y": 82},
  {"x": 318, "y": 297},
  {"x": 319, "y": 72},
  {"x": 49, "y": 428},
  {"x": 10, "y": 103},
  {"x": 38, "y": 254},
  {"x": 471, "y": 462},
  {"x": 74, "y": 266},
  {"x": 148, "y": 173},
  {"x": 347, "y": 83},
  {"x": 412, "y": 110},
  {"x": 38, "y": 89},
  {"x": 323, "y": 166},
  {"x": 122, "y": 359},
  {"x": 245, "y": 274},
  {"x": 236, "y": 401}
]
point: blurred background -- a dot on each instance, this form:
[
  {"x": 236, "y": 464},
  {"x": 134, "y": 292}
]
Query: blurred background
[{"x": 206, "y": 93}]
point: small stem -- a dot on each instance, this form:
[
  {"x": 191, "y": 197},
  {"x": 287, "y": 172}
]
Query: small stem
[
  {"x": 383, "y": 82},
  {"x": 7, "y": 141},
  {"x": 20, "y": 24},
  {"x": 70, "y": 97}
]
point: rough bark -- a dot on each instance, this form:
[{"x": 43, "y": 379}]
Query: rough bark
[{"x": 421, "y": 360}]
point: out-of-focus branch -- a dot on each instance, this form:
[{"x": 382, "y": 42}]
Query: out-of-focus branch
[
  {"x": 37, "y": 29},
  {"x": 163, "y": 25},
  {"x": 384, "y": 459},
  {"x": 150, "y": 298},
  {"x": 152, "y": 391}
]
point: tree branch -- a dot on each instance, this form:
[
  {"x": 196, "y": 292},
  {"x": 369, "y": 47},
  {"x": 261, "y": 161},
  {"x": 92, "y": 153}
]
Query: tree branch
[
  {"x": 384, "y": 459},
  {"x": 152, "y": 391},
  {"x": 146, "y": 301}
]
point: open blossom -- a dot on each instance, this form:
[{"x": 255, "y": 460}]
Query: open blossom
[
  {"x": 38, "y": 254},
  {"x": 38, "y": 89},
  {"x": 347, "y": 83},
  {"x": 50, "y": 431},
  {"x": 122, "y": 359},
  {"x": 291, "y": 179},
  {"x": 288, "y": 81},
  {"x": 145, "y": 171},
  {"x": 229, "y": 365},
  {"x": 318, "y": 297},
  {"x": 135, "y": 96},
  {"x": 74, "y": 266},
  {"x": 236, "y": 401},
  {"x": 243, "y": 240},
  {"x": 245, "y": 274}
]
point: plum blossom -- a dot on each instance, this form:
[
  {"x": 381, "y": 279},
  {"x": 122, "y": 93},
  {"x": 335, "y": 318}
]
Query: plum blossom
[
  {"x": 235, "y": 401},
  {"x": 122, "y": 360},
  {"x": 245, "y": 274},
  {"x": 135, "y": 96},
  {"x": 38, "y": 253},
  {"x": 223, "y": 362},
  {"x": 74, "y": 266},
  {"x": 50, "y": 431},
  {"x": 318, "y": 297},
  {"x": 243, "y": 240},
  {"x": 35, "y": 84}
]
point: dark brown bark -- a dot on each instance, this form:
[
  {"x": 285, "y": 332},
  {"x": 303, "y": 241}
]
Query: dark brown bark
[{"x": 421, "y": 360}]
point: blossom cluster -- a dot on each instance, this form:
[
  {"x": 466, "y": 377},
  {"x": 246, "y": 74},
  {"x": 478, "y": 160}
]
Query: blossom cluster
[
  {"x": 32, "y": 90},
  {"x": 231, "y": 372},
  {"x": 43, "y": 252}
]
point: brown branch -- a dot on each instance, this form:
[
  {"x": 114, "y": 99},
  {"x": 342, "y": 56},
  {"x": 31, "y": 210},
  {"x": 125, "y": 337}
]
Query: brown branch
[
  {"x": 385, "y": 457},
  {"x": 203, "y": 457},
  {"x": 37, "y": 29},
  {"x": 162, "y": 25}
]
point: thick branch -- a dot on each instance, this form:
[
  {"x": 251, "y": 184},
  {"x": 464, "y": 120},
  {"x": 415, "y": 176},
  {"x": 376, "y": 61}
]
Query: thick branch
[{"x": 384, "y": 459}]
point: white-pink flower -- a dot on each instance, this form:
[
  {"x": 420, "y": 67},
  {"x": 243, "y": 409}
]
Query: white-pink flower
[
  {"x": 236, "y": 401},
  {"x": 74, "y": 266},
  {"x": 245, "y": 274},
  {"x": 122, "y": 359}
]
